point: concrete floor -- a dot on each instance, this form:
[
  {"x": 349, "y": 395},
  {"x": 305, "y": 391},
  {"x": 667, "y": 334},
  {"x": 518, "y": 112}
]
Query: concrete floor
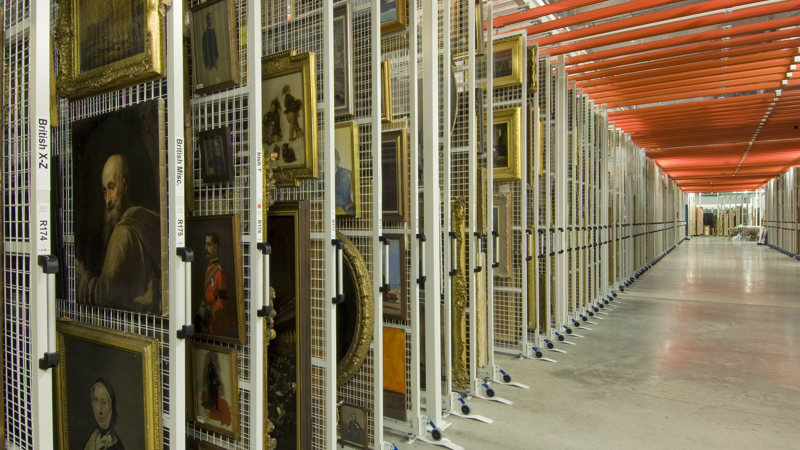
[{"x": 703, "y": 351}]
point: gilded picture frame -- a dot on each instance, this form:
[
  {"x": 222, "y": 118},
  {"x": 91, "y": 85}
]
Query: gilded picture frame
[
  {"x": 348, "y": 170},
  {"x": 217, "y": 277},
  {"x": 216, "y": 156},
  {"x": 289, "y": 79},
  {"x": 394, "y": 166},
  {"x": 354, "y": 316},
  {"x": 533, "y": 141},
  {"x": 506, "y": 141},
  {"x": 343, "y": 60},
  {"x": 120, "y": 368},
  {"x": 214, "y": 374},
  {"x": 508, "y": 61},
  {"x": 533, "y": 68},
  {"x": 394, "y": 16},
  {"x": 460, "y": 295},
  {"x": 533, "y": 283},
  {"x": 215, "y": 55},
  {"x": 395, "y": 298},
  {"x": 353, "y": 425},
  {"x": 107, "y": 45},
  {"x": 288, "y": 368},
  {"x": 501, "y": 224},
  {"x": 108, "y": 271},
  {"x": 386, "y": 92}
]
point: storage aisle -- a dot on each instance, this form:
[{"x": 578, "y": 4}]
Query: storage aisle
[{"x": 702, "y": 351}]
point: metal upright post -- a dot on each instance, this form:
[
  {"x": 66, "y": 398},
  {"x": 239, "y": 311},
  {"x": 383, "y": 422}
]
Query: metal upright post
[
  {"x": 490, "y": 247},
  {"x": 523, "y": 207},
  {"x": 472, "y": 196},
  {"x": 447, "y": 253},
  {"x": 332, "y": 251},
  {"x": 377, "y": 227},
  {"x": 432, "y": 198},
  {"x": 561, "y": 192},
  {"x": 259, "y": 264},
  {"x": 44, "y": 356},
  {"x": 604, "y": 193}
]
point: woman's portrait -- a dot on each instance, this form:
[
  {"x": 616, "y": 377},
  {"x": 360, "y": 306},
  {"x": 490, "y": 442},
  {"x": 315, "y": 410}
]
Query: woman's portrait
[{"x": 104, "y": 408}]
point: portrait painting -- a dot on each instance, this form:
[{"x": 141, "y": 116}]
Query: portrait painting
[
  {"x": 394, "y": 166},
  {"x": 217, "y": 278},
  {"x": 216, "y": 156},
  {"x": 393, "y": 15},
  {"x": 342, "y": 60},
  {"x": 395, "y": 297},
  {"x": 353, "y": 425},
  {"x": 108, "y": 393},
  {"x": 109, "y": 44},
  {"x": 507, "y": 65},
  {"x": 215, "y": 54},
  {"x": 214, "y": 400},
  {"x": 289, "y": 101},
  {"x": 394, "y": 373},
  {"x": 347, "y": 178},
  {"x": 355, "y": 314},
  {"x": 506, "y": 144},
  {"x": 288, "y": 380},
  {"x": 119, "y": 198}
]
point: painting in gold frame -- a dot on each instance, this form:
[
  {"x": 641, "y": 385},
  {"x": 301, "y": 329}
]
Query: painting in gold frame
[
  {"x": 395, "y": 297},
  {"x": 214, "y": 399},
  {"x": 394, "y": 166},
  {"x": 393, "y": 16},
  {"x": 506, "y": 141},
  {"x": 107, "y": 45},
  {"x": 355, "y": 315},
  {"x": 217, "y": 277},
  {"x": 533, "y": 68},
  {"x": 120, "y": 368},
  {"x": 460, "y": 294},
  {"x": 348, "y": 172},
  {"x": 508, "y": 61},
  {"x": 288, "y": 368},
  {"x": 289, "y": 100},
  {"x": 386, "y": 92},
  {"x": 343, "y": 60},
  {"x": 215, "y": 51},
  {"x": 501, "y": 224}
]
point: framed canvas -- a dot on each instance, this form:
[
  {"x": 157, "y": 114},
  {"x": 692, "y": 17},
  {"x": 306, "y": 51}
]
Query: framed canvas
[
  {"x": 121, "y": 236},
  {"x": 288, "y": 380},
  {"x": 501, "y": 224},
  {"x": 508, "y": 61},
  {"x": 214, "y": 399},
  {"x": 461, "y": 13},
  {"x": 353, "y": 425},
  {"x": 289, "y": 99},
  {"x": 533, "y": 68},
  {"x": 534, "y": 150},
  {"x": 460, "y": 295},
  {"x": 343, "y": 60},
  {"x": 107, "y": 388},
  {"x": 348, "y": 174},
  {"x": 216, "y": 156},
  {"x": 215, "y": 51},
  {"x": 386, "y": 92},
  {"x": 480, "y": 206},
  {"x": 217, "y": 277},
  {"x": 505, "y": 138},
  {"x": 394, "y": 373},
  {"x": 395, "y": 298},
  {"x": 355, "y": 315},
  {"x": 394, "y": 166},
  {"x": 393, "y": 16},
  {"x": 107, "y": 45}
]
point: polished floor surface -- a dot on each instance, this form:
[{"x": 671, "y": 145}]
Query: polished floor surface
[{"x": 702, "y": 352}]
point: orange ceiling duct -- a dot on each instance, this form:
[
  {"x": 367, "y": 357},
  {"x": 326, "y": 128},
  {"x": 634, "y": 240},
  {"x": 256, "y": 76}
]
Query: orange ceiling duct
[{"x": 706, "y": 89}]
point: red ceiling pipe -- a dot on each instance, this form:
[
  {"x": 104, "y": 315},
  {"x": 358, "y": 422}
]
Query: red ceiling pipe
[
  {"x": 685, "y": 59},
  {"x": 745, "y": 84},
  {"x": 747, "y": 33},
  {"x": 656, "y": 30},
  {"x": 594, "y": 15},
  {"x": 680, "y": 108},
  {"x": 617, "y": 103},
  {"x": 633, "y": 87},
  {"x": 541, "y": 11}
]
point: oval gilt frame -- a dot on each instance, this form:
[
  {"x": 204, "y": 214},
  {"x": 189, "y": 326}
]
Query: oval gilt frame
[{"x": 356, "y": 353}]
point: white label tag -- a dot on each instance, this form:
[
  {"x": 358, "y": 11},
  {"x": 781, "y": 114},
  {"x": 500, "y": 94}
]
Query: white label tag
[
  {"x": 42, "y": 154},
  {"x": 43, "y": 224},
  {"x": 180, "y": 226},
  {"x": 179, "y": 169}
]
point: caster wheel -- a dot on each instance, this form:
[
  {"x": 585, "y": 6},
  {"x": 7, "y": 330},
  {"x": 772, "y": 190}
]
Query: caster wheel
[
  {"x": 436, "y": 434},
  {"x": 591, "y": 314},
  {"x": 507, "y": 378},
  {"x": 550, "y": 345},
  {"x": 584, "y": 318},
  {"x": 538, "y": 354},
  {"x": 595, "y": 308},
  {"x": 601, "y": 305},
  {"x": 569, "y": 330},
  {"x": 490, "y": 392},
  {"x": 560, "y": 338},
  {"x": 465, "y": 410},
  {"x": 576, "y": 324}
]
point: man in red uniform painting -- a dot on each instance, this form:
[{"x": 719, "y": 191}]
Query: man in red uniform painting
[{"x": 210, "y": 317}]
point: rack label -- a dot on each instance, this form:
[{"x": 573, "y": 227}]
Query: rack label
[{"x": 42, "y": 153}]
